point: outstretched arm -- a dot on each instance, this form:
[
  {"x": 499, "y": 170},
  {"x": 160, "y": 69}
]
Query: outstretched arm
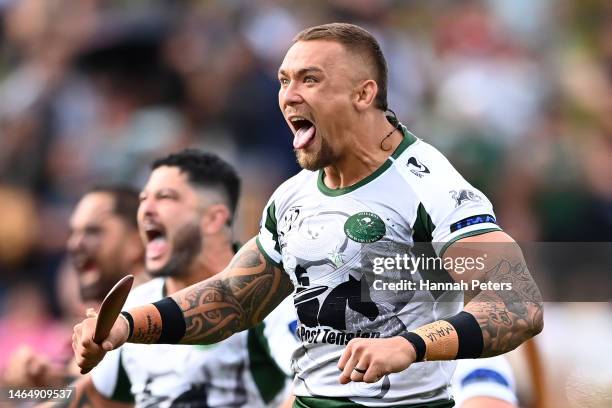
[
  {"x": 206, "y": 312},
  {"x": 239, "y": 298}
]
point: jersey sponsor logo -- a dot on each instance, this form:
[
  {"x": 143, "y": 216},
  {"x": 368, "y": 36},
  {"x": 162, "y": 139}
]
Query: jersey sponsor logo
[
  {"x": 464, "y": 195},
  {"x": 416, "y": 167},
  {"x": 473, "y": 220},
  {"x": 330, "y": 336},
  {"x": 364, "y": 227}
]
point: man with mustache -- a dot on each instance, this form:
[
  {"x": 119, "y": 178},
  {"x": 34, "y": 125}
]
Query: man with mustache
[{"x": 369, "y": 190}]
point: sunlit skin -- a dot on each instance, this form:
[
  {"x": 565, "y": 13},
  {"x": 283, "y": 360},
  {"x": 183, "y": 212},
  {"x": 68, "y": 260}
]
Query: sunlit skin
[
  {"x": 333, "y": 88},
  {"x": 330, "y": 87},
  {"x": 99, "y": 245},
  {"x": 186, "y": 216}
]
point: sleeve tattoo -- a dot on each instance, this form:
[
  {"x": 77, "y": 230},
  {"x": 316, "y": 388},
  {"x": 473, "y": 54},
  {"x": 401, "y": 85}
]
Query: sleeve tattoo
[
  {"x": 238, "y": 298},
  {"x": 507, "y": 317}
]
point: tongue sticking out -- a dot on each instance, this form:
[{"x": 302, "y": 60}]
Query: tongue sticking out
[
  {"x": 156, "y": 248},
  {"x": 303, "y": 136}
]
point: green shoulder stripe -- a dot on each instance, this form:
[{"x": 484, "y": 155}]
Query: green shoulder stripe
[
  {"x": 271, "y": 223},
  {"x": 423, "y": 226}
]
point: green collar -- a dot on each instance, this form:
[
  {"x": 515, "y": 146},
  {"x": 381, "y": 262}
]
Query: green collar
[{"x": 407, "y": 140}]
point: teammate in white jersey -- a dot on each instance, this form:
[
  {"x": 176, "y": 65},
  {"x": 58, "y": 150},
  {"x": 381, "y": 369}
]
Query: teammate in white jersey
[
  {"x": 185, "y": 216},
  {"x": 369, "y": 190}
]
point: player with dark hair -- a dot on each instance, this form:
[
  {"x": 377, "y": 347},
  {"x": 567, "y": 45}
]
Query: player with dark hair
[
  {"x": 207, "y": 171},
  {"x": 370, "y": 189},
  {"x": 184, "y": 217},
  {"x": 103, "y": 246}
]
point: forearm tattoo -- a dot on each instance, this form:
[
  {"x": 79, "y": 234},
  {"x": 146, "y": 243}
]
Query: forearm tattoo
[
  {"x": 147, "y": 324},
  {"x": 508, "y": 317},
  {"x": 249, "y": 289}
]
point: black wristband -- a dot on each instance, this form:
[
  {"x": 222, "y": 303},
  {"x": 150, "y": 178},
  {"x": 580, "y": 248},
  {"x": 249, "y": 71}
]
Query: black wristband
[
  {"x": 418, "y": 343},
  {"x": 173, "y": 323},
  {"x": 469, "y": 333},
  {"x": 130, "y": 321}
]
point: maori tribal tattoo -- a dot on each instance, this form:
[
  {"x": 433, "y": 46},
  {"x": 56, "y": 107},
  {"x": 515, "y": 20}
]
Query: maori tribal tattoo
[
  {"x": 508, "y": 317},
  {"x": 238, "y": 298}
]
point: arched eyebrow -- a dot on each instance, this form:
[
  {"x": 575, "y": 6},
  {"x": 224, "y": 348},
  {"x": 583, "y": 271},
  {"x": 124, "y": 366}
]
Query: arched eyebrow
[{"x": 302, "y": 71}]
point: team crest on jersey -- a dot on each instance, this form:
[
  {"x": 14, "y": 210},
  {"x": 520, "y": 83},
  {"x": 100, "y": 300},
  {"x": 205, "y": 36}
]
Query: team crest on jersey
[
  {"x": 364, "y": 227},
  {"x": 464, "y": 195}
]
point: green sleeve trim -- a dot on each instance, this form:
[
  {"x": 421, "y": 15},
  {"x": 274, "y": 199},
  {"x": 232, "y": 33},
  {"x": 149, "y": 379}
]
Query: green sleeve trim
[
  {"x": 265, "y": 254},
  {"x": 123, "y": 389},
  {"x": 465, "y": 235},
  {"x": 269, "y": 378}
]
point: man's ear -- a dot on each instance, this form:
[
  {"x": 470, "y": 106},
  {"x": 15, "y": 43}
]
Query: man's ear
[
  {"x": 215, "y": 218},
  {"x": 365, "y": 94}
]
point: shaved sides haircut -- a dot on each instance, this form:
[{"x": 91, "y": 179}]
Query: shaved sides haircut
[{"x": 355, "y": 39}]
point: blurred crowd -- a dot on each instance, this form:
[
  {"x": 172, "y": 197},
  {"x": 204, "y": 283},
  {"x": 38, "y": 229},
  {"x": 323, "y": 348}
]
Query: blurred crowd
[{"x": 518, "y": 95}]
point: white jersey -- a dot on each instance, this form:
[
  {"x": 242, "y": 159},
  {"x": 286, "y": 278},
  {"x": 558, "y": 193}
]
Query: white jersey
[
  {"x": 484, "y": 377},
  {"x": 241, "y": 371},
  {"x": 333, "y": 243}
]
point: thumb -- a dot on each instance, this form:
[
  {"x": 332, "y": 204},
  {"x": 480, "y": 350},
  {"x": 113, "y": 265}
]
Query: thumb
[{"x": 107, "y": 345}]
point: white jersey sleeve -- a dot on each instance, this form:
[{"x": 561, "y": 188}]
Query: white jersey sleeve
[
  {"x": 267, "y": 239},
  {"x": 484, "y": 377},
  {"x": 449, "y": 207},
  {"x": 110, "y": 379}
]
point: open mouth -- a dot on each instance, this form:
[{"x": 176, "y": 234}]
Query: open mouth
[
  {"x": 304, "y": 131},
  {"x": 87, "y": 269},
  {"x": 82, "y": 262},
  {"x": 157, "y": 244}
]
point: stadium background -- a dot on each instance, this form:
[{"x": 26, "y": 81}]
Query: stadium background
[{"x": 518, "y": 94}]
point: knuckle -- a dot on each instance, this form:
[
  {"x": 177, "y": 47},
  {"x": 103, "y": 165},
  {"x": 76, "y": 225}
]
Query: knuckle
[{"x": 353, "y": 342}]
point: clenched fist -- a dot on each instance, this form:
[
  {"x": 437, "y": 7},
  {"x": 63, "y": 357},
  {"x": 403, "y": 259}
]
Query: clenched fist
[
  {"x": 369, "y": 360},
  {"x": 86, "y": 352}
]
